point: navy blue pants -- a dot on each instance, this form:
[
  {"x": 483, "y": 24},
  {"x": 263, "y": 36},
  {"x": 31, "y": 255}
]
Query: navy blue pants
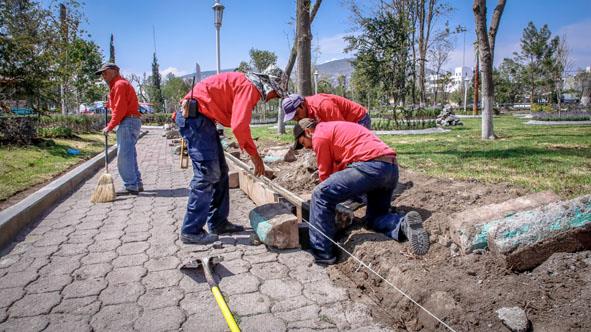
[
  {"x": 376, "y": 179},
  {"x": 209, "y": 195}
]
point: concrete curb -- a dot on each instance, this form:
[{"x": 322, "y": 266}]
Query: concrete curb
[
  {"x": 20, "y": 215},
  {"x": 558, "y": 123}
]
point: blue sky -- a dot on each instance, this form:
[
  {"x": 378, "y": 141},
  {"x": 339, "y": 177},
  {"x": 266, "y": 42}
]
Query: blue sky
[{"x": 185, "y": 33}]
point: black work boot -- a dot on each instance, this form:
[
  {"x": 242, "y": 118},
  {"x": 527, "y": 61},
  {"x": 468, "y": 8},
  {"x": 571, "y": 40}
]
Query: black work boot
[
  {"x": 412, "y": 227},
  {"x": 226, "y": 228}
]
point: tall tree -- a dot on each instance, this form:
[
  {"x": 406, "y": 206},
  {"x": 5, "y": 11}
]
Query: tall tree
[
  {"x": 112, "y": 50},
  {"x": 243, "y": 67},
  {"x": 304, "y": 36},
  {"x": 294, "y": 49},
  {"x": 486, "y": 43},
  {"x": 438, "y": 56},
  {"x": 156, "y": 93},
  {"x": 173, "y": 89}
]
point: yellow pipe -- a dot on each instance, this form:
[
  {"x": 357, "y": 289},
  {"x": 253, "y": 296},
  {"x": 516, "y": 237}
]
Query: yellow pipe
[{"x": 225, "y": 310}]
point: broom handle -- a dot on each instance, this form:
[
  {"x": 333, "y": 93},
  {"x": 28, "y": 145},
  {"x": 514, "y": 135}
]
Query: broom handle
[{"x": 106, "y": 144}]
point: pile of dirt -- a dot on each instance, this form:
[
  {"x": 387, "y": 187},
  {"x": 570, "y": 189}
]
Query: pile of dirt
[
  {"x": 462, "y": 290},
  {"x": 300, "y": 176}
]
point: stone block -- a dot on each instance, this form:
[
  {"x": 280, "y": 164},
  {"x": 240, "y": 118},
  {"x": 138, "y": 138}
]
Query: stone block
[
  {"x": 469, "y": 229},
  {"x": 275, "y": 226},
  {"x": 526, "y": 239}
]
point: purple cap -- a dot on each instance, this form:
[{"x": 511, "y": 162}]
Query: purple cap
[{"x": 290, "y": 104}]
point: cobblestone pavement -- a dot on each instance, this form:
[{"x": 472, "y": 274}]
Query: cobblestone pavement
[{"x": 115, "y": 267}]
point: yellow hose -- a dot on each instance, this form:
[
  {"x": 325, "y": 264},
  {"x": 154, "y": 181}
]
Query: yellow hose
[{"x": 225, "y": 310}]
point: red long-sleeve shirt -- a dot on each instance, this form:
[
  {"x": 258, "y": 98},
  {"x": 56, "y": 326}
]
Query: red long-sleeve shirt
[
  {"x": 122, "y": 101},
  {"x": 229, "y": 99},
  {"x": 326, "y": 107},
  {"x": 339, "y": 143}
]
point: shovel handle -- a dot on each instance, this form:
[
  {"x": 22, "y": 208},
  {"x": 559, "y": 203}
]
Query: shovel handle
[{"x": 225, "y": 310}]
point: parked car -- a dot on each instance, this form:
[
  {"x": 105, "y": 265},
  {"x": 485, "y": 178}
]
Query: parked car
[
  {"x": 22, "y": 111},
  {"x": 146, "y": 108}
]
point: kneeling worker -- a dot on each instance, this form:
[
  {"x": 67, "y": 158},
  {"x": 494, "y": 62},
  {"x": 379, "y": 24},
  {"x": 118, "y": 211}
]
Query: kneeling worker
[
  {"x": 353, "y": 161},
  {"x": 324, "y": 107}
]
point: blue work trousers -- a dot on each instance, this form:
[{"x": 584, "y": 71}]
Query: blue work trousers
[
  {"x": 376, "y": 179},
  {"x": 209, "y": 195},
  {"x": 128, "y": 133}
]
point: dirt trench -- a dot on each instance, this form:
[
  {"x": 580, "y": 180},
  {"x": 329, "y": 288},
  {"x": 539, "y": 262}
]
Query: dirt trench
[{"x": 462, "y": 290}]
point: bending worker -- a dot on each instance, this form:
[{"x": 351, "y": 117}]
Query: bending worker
[
  {"x": 353, "y": 161},
  {"x": 125, "y": 116},
  {"x": 324, "y": 107},
  {"x": 229, "y": 99}
]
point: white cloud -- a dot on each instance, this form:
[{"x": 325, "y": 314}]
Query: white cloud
[{"x": 175, "y": 71}]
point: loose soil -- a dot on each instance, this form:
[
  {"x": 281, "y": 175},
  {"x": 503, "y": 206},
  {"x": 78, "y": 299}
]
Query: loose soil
[{"x": 462, "y": 290}]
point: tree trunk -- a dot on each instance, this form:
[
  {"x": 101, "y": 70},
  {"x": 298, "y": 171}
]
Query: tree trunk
[
  {"x": 476, "y": 85},
  {"x": 486, "y": 58},
  {"x": 292, "y": 58},
  {"x": 304, "y": 69}
]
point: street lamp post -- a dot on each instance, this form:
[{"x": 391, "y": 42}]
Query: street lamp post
[
  {"x": 218, "y": 13},
  {"x": 316, "y": 81}
]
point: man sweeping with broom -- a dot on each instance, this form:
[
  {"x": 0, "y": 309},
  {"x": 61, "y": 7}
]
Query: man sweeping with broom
[{"x": 124, "y": 107}]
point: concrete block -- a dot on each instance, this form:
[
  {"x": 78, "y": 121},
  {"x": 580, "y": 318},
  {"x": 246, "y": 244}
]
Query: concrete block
[
  {"x": 257, "y": 191},
  {"x": 275, "y": 225},
  {"x": 469, "y": 229},
  {"x": 526, "y": 239},
  {"x": 234, "y": 177}
]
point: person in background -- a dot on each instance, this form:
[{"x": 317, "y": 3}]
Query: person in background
[{"x": 124, "y": 107}]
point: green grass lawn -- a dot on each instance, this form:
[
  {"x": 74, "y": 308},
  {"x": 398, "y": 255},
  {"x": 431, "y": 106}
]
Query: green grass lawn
[
  {"x": 539, "y": 158},
  {"x": 24, "y": 166}
]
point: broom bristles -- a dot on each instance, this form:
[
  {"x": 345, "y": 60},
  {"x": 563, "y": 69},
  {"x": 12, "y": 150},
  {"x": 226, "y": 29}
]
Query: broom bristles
[{"x": 105, "y": 190}]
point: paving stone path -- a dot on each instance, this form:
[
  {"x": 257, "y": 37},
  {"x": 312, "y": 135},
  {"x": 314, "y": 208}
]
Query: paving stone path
[{"x": 115, "y": 267}]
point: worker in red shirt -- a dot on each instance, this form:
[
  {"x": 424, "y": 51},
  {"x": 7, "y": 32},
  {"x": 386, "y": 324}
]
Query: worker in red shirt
[
  {"x": 324, "y": 107},
  {"x": 125, "y": 116},
  {"x": 353, "y": 161},
  {"x": 227, "y": 99}
]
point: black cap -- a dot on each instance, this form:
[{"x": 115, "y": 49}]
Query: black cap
[
  {"x": 108, "y": 65},
  {"x": 298, "y": 130}
]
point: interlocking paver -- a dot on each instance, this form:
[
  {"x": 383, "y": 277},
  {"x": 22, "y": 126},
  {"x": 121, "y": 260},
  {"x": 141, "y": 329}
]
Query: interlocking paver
[
  {"x": 78, "y": 306},
  {"x": 34, "y": 304},
  {"x": 239, "y": 284},
  {"x": 163, "y": 319},
  {"x": 114, "y": 267},
  {"x": 161, "y": 279},
  {"x": 64, "y": 322},
  {"x": 49, "y": 283},
  {"x": 119, "y": 317},
  {"x": 32, "y": 324},
  {"x": 127, "y": 274},
  {"x": 161, "y": 298},
  {"x": 87, "y": 287},
  {"x": 10, "y": 295},
  {"x": 122, "y": 293},
  {"x": 130, "y": 260}
]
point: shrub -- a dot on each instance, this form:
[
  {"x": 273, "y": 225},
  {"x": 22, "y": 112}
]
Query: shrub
[
  {"x": 158, "y": 119},
  {"x": 540, "y": 108},
  {"x": 76, "y": 123},
  {"x": 57, "y": 132},
  {"x": 18, "y": 129}
]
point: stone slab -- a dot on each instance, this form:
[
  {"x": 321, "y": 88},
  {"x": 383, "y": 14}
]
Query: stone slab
[
  {"x": 469, "y": 229},
  {"x": 526, "y": 239},
  {"x": 256, "y": 190},
  {"x": 275, "y": 225}
]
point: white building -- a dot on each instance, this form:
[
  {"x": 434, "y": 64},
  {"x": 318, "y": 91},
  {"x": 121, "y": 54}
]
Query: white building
[{"x": 456, "y": 79}]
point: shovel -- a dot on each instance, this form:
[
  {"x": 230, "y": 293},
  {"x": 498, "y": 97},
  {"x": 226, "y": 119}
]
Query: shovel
[{"x": 206, "y": 263}]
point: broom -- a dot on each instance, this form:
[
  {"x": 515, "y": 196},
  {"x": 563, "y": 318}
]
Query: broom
[{"x": 105, "y": 189}]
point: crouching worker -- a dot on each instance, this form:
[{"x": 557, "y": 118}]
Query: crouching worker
[
  {"x": 228, "y": 99},
  {"x": 324, "y": 107},
  {"x": 353, "y": 161}
]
